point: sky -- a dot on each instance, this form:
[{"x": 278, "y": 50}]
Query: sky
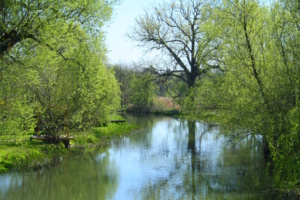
[{"x": 120, "y": 48}]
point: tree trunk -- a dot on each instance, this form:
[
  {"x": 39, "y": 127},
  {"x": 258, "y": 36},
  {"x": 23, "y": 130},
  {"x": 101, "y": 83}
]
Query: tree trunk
[{"x": 191, "y": 79}]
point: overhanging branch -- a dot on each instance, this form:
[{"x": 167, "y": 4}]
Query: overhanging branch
[{"x": 58, "y": 52}]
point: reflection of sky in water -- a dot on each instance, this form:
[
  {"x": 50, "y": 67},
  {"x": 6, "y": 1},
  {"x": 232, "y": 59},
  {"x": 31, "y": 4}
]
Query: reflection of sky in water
[
  {"x": 166, "y": 160},
  {"x": 4, "y": 183},
  {"x": 7, "y": 180},
  {"x": 161, "y": 162},
  {"x": 140, "y": 166}
]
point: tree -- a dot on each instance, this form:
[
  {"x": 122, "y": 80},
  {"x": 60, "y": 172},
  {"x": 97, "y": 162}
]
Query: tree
[
  {"x": 257, "y": 94},
  {"x": 142, "y": 92},
  {"x": 124, "y": 74},
  {"x": 261, "y": 73},
  {"x": 54, "y": 67},
  {"x": 177, "y": 29},
  {"x": 61, "y": 95},
  {"x": 34, "y": 20},
  {"x": 290, "y": 17}
]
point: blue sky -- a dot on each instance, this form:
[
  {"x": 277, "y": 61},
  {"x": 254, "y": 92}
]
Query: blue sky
[{"x": 122, "y": 49}]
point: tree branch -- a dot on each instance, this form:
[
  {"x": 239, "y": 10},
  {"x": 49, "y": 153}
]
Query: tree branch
[{"x": 58, "y": 52}]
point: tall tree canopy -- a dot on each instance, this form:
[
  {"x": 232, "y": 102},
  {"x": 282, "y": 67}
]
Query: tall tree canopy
[
  {"x": 177, "y": 29},
  {"x": 52, "y": 64},
  {"x": 35, "y": 20},
  {"x": 258, "y": 93}
]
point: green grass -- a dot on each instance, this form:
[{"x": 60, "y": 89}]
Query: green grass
[
  {"x": 116, "y": 117},
  {"x": 102, "y": 135},
  {"x": 113, "y": 129},
  {"x": 18, "y": 152}
]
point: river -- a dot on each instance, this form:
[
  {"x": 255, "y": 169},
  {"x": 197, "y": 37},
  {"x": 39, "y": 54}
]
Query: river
[{"x": 168, "y": 159}]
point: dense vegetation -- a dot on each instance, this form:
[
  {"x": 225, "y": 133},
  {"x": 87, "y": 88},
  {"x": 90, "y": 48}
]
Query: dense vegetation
[
  {"x": 53, "y": 66},
  {"x": 53, "y": 75},
  {"x": 142, "y": 91},
  {"x": 246, "y": 63}
]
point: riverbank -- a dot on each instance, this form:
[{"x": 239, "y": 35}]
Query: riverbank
[
  {"x": 19, "y": 153},
  {"x": 160, "y": 106},
  {"x": 167, "y": 106}
]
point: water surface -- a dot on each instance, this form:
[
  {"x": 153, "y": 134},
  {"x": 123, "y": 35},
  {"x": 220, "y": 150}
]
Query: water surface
[{"x": 169, "y": 159}]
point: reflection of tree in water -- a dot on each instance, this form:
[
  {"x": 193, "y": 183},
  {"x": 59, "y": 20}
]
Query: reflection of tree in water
[
  {"x": 87, "y": 178},
  {"x": 218, "y": 175},
  {"x": 194, "y": 161},
  {"x": 208, "y": 168},
  {"x": 145, "y": 123}
]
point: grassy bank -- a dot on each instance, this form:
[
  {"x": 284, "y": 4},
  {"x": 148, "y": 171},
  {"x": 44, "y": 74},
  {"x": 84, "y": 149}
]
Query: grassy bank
[
  {"x": 101, "y": 135},
  {"x": 17, "y": 152}
]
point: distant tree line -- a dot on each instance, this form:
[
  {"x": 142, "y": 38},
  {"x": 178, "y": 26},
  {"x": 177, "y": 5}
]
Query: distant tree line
[{"x": 139, "y": 87}]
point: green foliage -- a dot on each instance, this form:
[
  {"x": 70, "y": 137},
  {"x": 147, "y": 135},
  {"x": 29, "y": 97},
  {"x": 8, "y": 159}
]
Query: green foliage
[
  {"x": 24, "y": 153},
  {"x": 87, "y": 138},
  {"x": 124, "y": 74},
  {"x": 54, "y": 73},
  {"x": 20, "y": 153},
  {"x": 172, "y": 87},
  {"x": 257, "y": 92},
  {"x": 142, "y": 92},
  {"x": 287, "y": 161},
  {"x": 102, "y": 135},
  {"x": 40, "y": 20},
  {"x": 167, "y": 93},
  {"x": 59, "y": 91},
  {"x": 113, "y": 129}
]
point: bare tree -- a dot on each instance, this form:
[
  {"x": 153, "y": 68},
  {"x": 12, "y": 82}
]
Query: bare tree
[{"x": 177, "y": 29}]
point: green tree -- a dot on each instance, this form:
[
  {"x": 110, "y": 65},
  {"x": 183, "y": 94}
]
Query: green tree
[
  {"x": 34, "y": 20},
  {"x": 124, "y": 74},
  {"x": 59, "y": 72},
  {"x": 142, "y": 92},
  {"x": 257, "y": 93}
]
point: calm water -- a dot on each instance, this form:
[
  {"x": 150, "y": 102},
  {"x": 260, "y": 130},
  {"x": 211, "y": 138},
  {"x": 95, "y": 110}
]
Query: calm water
[{"x": 168, "y": 159}]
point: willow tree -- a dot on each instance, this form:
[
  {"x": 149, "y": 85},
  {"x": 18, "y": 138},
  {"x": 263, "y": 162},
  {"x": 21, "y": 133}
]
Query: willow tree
[
  {"x": 257, "y": 94},
  {"x": 32, "y": 20},
  {"x": 87, "y": 93},
  {"x": 261, "y": 73},
  {"x": 177, "y": 29},
  {"x": 52, "y": 61}
]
